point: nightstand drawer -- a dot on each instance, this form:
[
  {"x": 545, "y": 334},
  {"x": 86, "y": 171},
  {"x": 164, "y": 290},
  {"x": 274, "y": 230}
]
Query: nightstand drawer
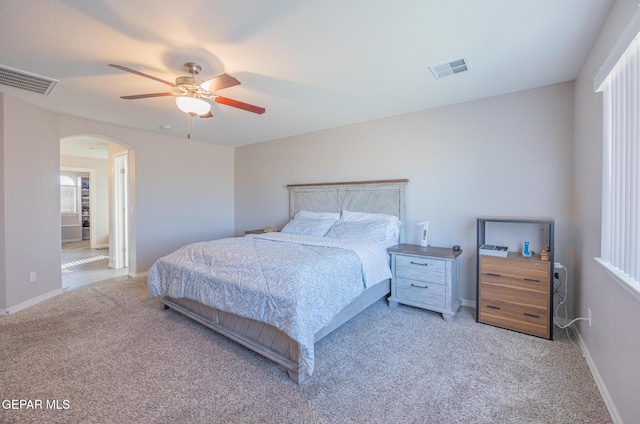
[
  {"x": 420, "y": 291},
  {"x": 422, "y": 269}
]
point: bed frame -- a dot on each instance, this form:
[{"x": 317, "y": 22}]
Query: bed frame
[{"x": 367, "y": 196}]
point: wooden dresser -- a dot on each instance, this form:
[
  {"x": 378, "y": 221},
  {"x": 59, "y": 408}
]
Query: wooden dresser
[{"x": 516, "y": 292}]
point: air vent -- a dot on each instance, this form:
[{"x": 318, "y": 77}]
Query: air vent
[
  {"x": 452, "y": 67},
  {"x": 26, "y": 80}
]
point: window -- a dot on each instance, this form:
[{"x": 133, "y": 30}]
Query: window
[
  {"x": 620, "y": 248},
  {"x": 68, "y": 195}
]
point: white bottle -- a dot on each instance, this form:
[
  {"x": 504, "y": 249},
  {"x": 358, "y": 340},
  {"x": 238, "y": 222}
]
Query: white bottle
[{"x": 425, "y": 233}]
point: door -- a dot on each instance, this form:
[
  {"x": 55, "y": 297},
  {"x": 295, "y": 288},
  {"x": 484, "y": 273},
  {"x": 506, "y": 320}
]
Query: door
[{"x": 120, "y": 196}]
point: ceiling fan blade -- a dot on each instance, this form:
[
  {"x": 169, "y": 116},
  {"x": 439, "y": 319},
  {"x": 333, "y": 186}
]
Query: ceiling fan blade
[
  {"x": 219, "y": 82},
  {"x": 240, "y": 105},
  {"x": 123, "y": 68},
  {"x": 207, "y": 115},
  {"x": 145, "y": 96}
]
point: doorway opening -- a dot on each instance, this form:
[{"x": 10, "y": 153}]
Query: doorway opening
[{"x": 95, "y": 239}]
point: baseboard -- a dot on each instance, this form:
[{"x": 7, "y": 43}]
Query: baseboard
[
  {"x": 469, "y": 303},
  {"x": 611, "y": 407},
  {"x": 31, "y": 302},
  {"x": 137, "y": 275},
  {"x": 102, "y": 246}
]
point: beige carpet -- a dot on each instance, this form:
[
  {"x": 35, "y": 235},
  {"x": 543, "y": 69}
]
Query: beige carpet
[{"x": 108, "y": 354}]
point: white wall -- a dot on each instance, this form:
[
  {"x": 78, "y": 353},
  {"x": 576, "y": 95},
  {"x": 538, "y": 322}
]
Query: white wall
[
  {"x": 506, "y": 155},
  {"x": 612, "y": 340},
  {"x": 3, "y": 253},
  {"x": 31, "y": 184}
]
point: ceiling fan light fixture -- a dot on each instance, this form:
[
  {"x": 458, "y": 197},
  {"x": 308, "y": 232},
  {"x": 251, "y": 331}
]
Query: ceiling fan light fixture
[
  {"x": 193, "y": 105},
  {"x": 191, "y": 91}
]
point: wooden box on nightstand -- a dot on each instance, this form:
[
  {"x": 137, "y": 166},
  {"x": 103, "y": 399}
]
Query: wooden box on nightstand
[{"x": 425, "y": 277}]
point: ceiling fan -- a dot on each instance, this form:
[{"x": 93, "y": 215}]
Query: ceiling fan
[{"x": 191, "y": 91}]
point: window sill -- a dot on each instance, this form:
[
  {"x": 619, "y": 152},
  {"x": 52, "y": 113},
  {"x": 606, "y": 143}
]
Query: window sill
[{"x": 625, "y": 281}]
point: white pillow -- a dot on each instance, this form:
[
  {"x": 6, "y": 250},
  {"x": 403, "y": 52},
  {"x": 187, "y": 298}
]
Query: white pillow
[
  {"x": 367, "y": 230},
  {"x": 393, "y": 223},
  {"x": 308, "y": 226},
  {"x": 317, "y": 215}
]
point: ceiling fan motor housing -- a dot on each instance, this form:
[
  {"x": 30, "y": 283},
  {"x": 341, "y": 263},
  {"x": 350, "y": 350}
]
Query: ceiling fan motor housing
[{"x": 188, "y": 84}]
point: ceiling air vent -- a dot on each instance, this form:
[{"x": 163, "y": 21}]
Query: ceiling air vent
[
  {"x": 452, "y": 67},
  {"x": 26, "y": 80}
]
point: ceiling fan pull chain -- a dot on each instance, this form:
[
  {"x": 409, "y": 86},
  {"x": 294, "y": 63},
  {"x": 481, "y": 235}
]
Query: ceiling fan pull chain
[{"x": 189, "y": 125}]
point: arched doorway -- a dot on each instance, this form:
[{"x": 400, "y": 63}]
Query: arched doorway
[{"x": 102, "y": 167}]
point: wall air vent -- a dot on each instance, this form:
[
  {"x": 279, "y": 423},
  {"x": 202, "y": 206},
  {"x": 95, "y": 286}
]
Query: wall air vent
[
  {"x": 26, "y": 80},
  {"x": 452, "y": 67}
]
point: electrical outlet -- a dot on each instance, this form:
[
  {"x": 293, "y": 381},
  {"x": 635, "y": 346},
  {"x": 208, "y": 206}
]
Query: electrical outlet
[
  {"x": 589, "y": 316},
  {"x": 32, "y": 276}
]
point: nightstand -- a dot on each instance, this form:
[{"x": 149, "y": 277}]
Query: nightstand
[
  {"x": 261, "y": 230},
  {"x": 425, "y": 277}
]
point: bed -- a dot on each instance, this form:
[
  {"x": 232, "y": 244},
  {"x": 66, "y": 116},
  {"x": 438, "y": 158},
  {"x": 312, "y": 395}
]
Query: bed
[{"x": 280, "y": 293}]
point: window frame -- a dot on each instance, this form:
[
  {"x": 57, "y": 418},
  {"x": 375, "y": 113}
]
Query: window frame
[
  {"x": 610, "y": 238},
  {"x": 74, "y": 194}
]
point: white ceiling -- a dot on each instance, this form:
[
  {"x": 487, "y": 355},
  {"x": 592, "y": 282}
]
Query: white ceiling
[
  {"x": 312, "y": 64},
  {"x": 85, "y": 146}
]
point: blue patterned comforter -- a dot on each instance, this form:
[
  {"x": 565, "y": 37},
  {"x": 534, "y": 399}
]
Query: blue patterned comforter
[{"x": 295, "y": 283}]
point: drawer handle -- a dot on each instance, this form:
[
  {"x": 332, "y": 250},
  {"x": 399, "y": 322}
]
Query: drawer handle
[
  {"x": 417, "y": 285},
  {"x": 493, "y": 307},
  {"x": 493, "y": 275},
  {"x": 418, "y": 263},
  {"x": 532, "y": 315},
  {"x": 532, "y": 280}
]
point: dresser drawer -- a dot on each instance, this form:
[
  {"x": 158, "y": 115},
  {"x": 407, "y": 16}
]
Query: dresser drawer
[
  {"x": 518, "y": 317},
  {"x": 515, "y": 268},
  {"x": 529, "y": 284},
  {"x": 421, "y": 269},
  {"x": 421, "y": 291},
  {"x": 515, "y": 296}
]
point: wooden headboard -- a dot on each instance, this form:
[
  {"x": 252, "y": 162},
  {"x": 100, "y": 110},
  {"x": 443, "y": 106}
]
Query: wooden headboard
[{"x": 385, "y": 196}]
